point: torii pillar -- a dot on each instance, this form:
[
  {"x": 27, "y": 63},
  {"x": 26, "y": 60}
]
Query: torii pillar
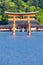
[
  {"x": 14, "y": 26},
  {"x": 29, "y": 27}
]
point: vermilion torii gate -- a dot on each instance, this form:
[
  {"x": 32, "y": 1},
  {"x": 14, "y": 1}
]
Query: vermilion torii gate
[{"x": 27, "y": 14}]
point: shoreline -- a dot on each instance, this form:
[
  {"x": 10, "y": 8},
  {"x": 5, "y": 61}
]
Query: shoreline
[{"x": 8, "y": 28}]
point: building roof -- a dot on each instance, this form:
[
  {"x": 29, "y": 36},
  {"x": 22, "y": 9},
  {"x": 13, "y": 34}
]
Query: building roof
[{"x": 25, "y": 23}]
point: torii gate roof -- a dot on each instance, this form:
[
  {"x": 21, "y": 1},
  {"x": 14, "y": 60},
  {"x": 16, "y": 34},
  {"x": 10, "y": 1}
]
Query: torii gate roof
[{"x": 22, "y": 13}]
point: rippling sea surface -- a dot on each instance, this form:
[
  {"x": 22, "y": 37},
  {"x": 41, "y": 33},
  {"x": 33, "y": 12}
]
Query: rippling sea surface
[{"x": 21, "y": 49}]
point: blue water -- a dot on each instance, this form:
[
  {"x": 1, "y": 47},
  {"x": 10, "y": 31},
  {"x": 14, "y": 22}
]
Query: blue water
[{"x": 21, "y": 49}]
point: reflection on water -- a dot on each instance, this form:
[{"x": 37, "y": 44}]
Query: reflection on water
[{"x": 21, "y": 49}]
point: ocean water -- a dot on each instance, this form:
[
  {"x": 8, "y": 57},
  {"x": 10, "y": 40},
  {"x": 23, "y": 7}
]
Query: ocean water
[{"x": 21, "y": 49}]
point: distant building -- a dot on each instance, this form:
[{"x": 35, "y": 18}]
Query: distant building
[{"x": 24, "y": 23}]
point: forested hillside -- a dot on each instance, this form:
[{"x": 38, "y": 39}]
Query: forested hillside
[{"x": 21, "y": 6}]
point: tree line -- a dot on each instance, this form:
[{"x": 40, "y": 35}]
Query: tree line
[{"x": 20, "y": 6}]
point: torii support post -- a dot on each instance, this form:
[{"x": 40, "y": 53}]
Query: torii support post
[
  {"x": 14, "y": 26},
  {"x": 29, "y": 27}
]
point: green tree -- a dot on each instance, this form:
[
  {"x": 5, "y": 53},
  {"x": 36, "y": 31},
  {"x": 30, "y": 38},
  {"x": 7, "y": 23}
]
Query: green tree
[
  {"x": 40, "y": 17},
  {"x": 3, "y": 9},
  {"x": 20, "y": 5},
  {"x": 12, "y": 7},
  {"x": 32, "y": 8}
]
